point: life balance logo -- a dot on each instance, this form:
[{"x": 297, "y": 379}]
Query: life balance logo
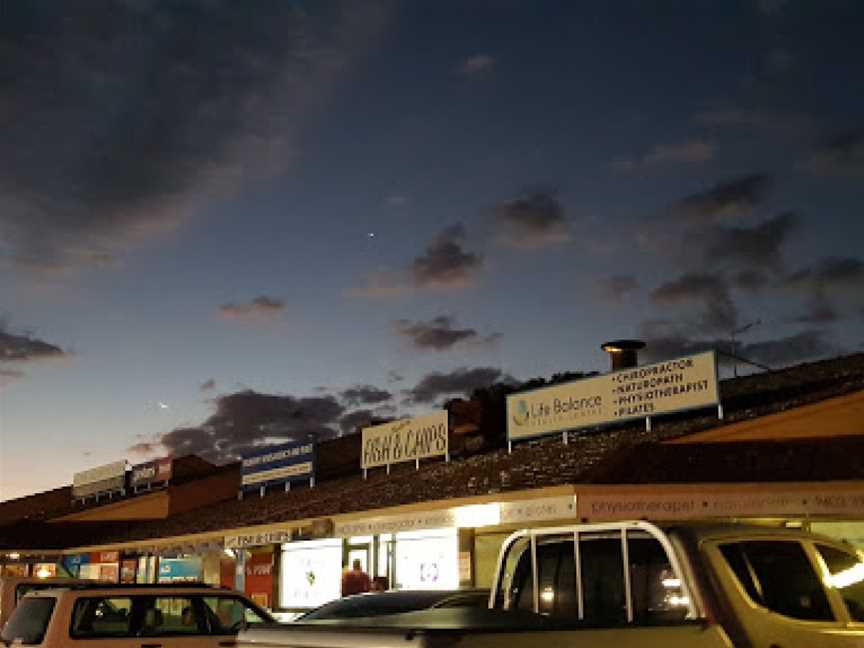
[{"x": 521, "y": 413}]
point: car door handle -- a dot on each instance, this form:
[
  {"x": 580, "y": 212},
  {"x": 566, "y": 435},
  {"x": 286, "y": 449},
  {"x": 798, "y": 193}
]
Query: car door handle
[
  {"x": 151, "y": 645},
  {"x": 228, "y": 643}
]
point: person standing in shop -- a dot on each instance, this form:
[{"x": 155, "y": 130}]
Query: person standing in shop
[{"x": 355, "y": 580}]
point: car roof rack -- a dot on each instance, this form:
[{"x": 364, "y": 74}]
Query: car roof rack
[{"x": 134, "y": 586}]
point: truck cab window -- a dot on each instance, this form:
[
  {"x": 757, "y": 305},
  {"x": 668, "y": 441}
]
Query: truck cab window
[
  {"x": 846, "y": 575},
  {"x": 656, "y": 588},
  {"x": 778, "y": 575},
  {"x": 603, "y": 580}
]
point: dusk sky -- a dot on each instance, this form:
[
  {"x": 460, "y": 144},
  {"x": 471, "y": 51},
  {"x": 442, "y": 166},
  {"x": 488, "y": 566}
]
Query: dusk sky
[{"x": 229, "y": 223}]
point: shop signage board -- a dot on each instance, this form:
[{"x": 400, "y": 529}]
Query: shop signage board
[
  {"x": 639, "y": 392},
  {"x": 405, "y": 440},
  {"x": 262, "y": 539},
  {"x": 151, "y": 472},
  {"x": 469, "y": 516},
  {"x": 764, "y": 502},
  {"x": 102, "y": 479},
  {"x": 278, "y": 464}
]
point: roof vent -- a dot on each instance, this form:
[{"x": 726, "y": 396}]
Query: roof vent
[{"x": 623, "y": 353}]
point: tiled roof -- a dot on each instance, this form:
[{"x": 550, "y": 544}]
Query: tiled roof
[{"x": 533, "y": 464}]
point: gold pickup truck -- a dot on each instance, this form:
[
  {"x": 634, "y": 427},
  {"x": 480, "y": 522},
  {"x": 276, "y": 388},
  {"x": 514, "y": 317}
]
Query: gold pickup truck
[{"x": 633, "y": 584}]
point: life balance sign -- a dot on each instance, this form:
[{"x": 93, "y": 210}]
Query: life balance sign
[{"x": 674, "y": 385}]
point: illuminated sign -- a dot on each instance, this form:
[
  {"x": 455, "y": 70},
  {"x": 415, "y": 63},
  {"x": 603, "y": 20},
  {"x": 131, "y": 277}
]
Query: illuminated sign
[
  {"x": 405, "y": 440},
  {"x": 639, "y": 392},
  {"x": 278, "y": 464}
]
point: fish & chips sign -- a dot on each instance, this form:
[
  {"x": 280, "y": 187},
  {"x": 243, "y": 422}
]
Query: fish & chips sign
[
  {"x": 405, "y": 440},
  {"x": 639, "y": 392}
]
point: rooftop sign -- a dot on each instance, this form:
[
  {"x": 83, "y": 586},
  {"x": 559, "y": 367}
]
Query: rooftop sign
[
  {"x": 638, "y": 392},
  {"x": 102, "y": 479},
  {"x": 151, "y": 472},
  {"x": 278, "y": 464},
  {"x": 405, "y": 440}
]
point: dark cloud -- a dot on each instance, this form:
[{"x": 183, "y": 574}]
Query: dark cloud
[
  {"x": 445, "y": 263},
  {"x": 830, "y": 273},
  {"x": 477, "y": 65},
  {"x": 133, "y": 115},
  {"x": 619, "y": 287},
  {"x": 25, "y": 348},
  {"x": 532, "y": 221},
  {"x": 260, "y": 308},
  {"x": 840, "y": 154},
  {"x": 786, "y": 123},
  {"x": 719, "y": 311},
  {"x": 365, "y": 395},
  {"x": 831, "y": 285},
  {"x": 665, "y": 340},
  {"x": 806, "y": 345},
  {"x": 245, "y": 419},
  {"x": 208, "y": 385},
  {"x": 750, "y": 280},
  {"x": 439, "y": 334},
  {"x": 350, "y": 422},
  {"x": 732, "y": 198},
  {"x": 758, "y": 246},
  {"x": 460, "y": 381},
  {"x": 689, "y": 152}
]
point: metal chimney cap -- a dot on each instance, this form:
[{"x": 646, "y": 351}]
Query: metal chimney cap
[{"x": 618, "y": 346}]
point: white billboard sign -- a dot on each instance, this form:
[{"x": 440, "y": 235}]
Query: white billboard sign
[
  {"x": 405, "y": 440},
  {"x": 100, "y": 479},
  {"x": 639, "y": 392}
]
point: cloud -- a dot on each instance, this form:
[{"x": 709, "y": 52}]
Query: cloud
[
  {"x": 829, "y": 273},
  {"x": 351, "y": 421},
  {"x": 438, "y": 334},
  {"x": 770, "y": 7},
  {"x": 663, "y": 341},
  {"x": 760, "y": 120},
  {"x": 383, "y": 284},
  {"x": 365, "y": 395},
  {"x": 208, "y": 385},
  {"x": 397, "y": 200},
  {"x": 735, "y": 197},
  {"x": 533, "y": 221},
  {"x": 477, "y": 65},
  {"x": 826, "y": 282},
  {"x": 711, "y": 291},
  {"x": 26, "y": 348},
  {"x": 152, "y": 110},
  {"x": 259, "y": 309},
  {"x": 841, "y": 154},
  {"x": 758, "y": 246},
  {"x": 806, "y": 345},
  {"x": 446, "y": 264},
  {"x": 618, "y": 287},
  {"x": 750, "y": 280},
  {"x": 689, "y": 152},
  {"x": 460, "y": 381},
  {"x": 245, "y": 419}
]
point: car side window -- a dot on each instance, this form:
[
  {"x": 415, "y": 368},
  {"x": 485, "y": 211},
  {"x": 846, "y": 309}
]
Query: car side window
[
  {"x": 173, "y": 615},
  {"x": 846, "y": 575},
  {"x": 94, "y": 617},
  {"x": 229, "y": 614},
  {"x": 778, "y": 575}
]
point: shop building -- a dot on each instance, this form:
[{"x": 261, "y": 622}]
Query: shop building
[{"x": 788, "y": 450}]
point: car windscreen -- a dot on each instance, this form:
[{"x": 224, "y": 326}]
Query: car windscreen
[
  {"x": 29, "y": 621},
  {"x": 365, "y": 605}
]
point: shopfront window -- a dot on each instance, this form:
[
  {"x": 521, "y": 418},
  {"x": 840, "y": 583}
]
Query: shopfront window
[
  {"x": 427, "y": 559},
  {"x": 311, "y": 573}
]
